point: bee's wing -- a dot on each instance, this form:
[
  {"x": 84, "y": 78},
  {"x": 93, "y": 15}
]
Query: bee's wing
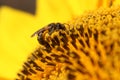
[
  {"x": 38, "y": 31},
  {"x": 35, "y": 33}
]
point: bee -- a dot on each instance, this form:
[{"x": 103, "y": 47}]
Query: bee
[{"x": 50, "y": 28}]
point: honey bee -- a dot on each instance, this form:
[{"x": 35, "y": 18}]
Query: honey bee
[{"x": 50, "y": 28}]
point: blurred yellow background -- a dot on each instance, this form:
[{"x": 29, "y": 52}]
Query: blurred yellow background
[{"x": 17, "y": 26}]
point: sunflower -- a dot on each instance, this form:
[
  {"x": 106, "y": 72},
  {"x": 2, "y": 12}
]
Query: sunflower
[{"x": 16, "y": 44}]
